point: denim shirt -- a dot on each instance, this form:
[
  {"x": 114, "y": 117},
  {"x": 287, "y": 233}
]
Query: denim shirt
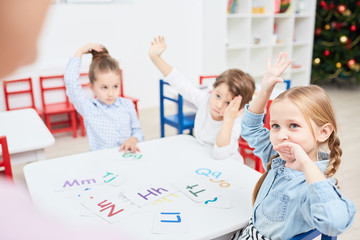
[{"x": 286, "y": 205}]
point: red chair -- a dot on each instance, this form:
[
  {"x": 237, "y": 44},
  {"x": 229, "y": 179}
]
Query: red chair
[
  {"x": 5, "y": 162},
  {"x": 55, "y": 86},
  {"x": 204, "y": 77},
  {"x": 20, "y": 88},
  {"x": 247, "y": 152},
  {"x": 134, "y": 100}
]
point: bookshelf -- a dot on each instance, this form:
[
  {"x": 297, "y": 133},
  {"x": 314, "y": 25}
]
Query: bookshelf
[{"x": 245, "y": 39}]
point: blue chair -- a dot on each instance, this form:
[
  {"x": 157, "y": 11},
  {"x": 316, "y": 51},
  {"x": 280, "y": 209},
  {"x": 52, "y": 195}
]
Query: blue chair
[
  {"x": 288, "y": 83},
  {"x": 181, "y": 120},
  {"x": 311, "y": 235}
]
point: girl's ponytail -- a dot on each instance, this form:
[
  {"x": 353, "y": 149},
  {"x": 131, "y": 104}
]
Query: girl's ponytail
[
  {"x": 102, "y": 62},
  {"x": 335, "y": 155},
  {"x": 99, "y": 55}
]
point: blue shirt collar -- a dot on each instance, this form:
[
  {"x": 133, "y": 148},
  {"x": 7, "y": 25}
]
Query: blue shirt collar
[{"x": 117, "y": 103}]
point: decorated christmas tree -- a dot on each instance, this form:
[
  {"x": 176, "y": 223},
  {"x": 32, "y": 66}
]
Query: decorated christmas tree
[{"x": 336, "y": 54}]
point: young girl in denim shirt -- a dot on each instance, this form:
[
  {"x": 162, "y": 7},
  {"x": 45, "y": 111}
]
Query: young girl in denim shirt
[
  {"x": 110, "y": 120},
  {"x": 298, "y": 192}
]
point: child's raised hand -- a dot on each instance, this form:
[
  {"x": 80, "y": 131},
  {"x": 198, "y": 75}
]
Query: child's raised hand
[
  {"x": 295, "y": 157},
  {"x": 87, "y": 48},
  {"x": 232, "y": 111},
  {"x": 272, "y": 74},
  {"x": 158, "y": 46},
  {"x": 130, "y": 145}
]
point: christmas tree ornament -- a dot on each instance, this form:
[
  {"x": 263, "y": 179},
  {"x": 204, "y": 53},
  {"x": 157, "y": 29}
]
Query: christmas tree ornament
[
  {"x": 338, "y": 64},
  {"x": 356, "y": 67},
  {"x": 327, "y": 27},
  {"x": 318, "y": 31},
  {"x": 353, "y": 28},
  {"x": 351, "y": 63},
  {"x": 336, "y": 25},
  {"x": 343, "y": 39},
  {"x": 316, "y": 61},
  {"x": 323, "y": 4},
  {"x": 331, "y": 6},
  {"x": 326, "y": 53},
  {"x": 341, "y": 8},
  {"x": 347, "y": 12}
]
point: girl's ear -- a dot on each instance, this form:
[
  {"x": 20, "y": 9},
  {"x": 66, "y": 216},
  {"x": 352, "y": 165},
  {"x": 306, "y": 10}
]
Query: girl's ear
[{"x": 324, "y": 132}]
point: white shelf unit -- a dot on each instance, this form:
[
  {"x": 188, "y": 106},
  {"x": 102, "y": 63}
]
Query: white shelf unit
[{"x": 249, "y": 39}]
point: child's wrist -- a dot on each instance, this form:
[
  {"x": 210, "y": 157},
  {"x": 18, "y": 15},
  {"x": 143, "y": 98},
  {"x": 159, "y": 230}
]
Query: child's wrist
[{"x": 229, "y": 121}]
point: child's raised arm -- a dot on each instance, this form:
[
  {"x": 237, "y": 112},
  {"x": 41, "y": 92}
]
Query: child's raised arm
[
  {"x": 155, "y": 51},
  {"x": 87, "y": 48},
  {"x": 271, "y": 78}
]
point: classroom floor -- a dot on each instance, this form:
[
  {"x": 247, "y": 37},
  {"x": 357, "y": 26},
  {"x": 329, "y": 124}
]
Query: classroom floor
[{"x": 347, "y": 106}]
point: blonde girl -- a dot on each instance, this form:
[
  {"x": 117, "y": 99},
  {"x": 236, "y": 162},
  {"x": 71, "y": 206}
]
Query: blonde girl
[{"x": 298, "y": 192}]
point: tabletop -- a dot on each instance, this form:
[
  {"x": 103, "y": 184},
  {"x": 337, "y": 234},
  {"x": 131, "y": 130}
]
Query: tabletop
[
  {"x": 24, "y": 131},
  {"x": 166, "y": 163}
]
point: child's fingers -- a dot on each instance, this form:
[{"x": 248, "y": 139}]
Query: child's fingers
[
  {"x": 268, "y": 64},
  {"x": 121, "y": 147},
  {"x": 137, "y": 149},
  {"x": 126, "y": 149},
  {"x": 132, "y": 149},
  {"x": 278, "y": 59},
  {"x": 237, "y": 102},
  {"x": 278, "y": 80},
  {"x": 285, "y": 65},
  {"x": 239, "y": 99}
]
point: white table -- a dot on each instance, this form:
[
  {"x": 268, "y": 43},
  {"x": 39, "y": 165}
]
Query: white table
[
  {"x": 27, "y": 135},
  {"x": 163, "y": 159}
]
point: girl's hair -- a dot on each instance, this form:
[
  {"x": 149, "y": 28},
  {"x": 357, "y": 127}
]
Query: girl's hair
[
  {"x": 239, "y": 83},
  {"x": 316, "y": 105},
  {"x": 102, "y": 62}
]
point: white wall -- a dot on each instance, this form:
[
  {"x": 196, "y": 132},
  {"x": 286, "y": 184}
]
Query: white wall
[{"x": 126, "y": 29}]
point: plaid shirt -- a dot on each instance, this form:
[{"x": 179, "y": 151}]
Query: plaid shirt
[{"x": 107, "y": 126}]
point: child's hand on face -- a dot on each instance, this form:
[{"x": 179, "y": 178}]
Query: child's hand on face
[
  {"x": 130, "y": 145},
  {"x": 272, "y": 74},
  {"x": 295, "y": 157},
  {"x": 87, "y": 48},
  {"x": 232, "y": 111},
  {"x": 157, "y": 47}
]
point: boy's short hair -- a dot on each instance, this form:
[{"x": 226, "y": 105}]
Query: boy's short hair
[{"x": 239, "y": 83}]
